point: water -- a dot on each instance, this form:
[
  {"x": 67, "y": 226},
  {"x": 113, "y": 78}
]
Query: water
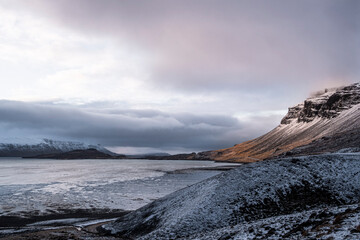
[{"x": 44, "y": 186}]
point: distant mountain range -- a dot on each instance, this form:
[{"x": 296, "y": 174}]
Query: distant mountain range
[
  {"x": 148, "y": 155},
  {"x": 326, "y": 122},
  {"x": 46, "y": 146},
  {"x": 90, "y": 153},
  {"x": 54, "y": 149}
]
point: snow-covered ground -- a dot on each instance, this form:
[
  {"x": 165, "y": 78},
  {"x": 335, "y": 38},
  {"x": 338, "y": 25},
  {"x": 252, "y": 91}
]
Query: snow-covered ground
[
  {"x": 338, "y": 222},
  {"x": 295, "y": 198},
  {"x": 40, "y": 186}
]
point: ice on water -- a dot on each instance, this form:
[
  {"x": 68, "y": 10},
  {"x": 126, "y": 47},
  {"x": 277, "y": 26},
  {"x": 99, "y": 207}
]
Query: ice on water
[{"x": 28, "y": 185}]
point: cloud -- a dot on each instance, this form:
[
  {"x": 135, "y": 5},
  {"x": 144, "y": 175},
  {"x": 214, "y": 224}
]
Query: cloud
[
  {"x": 212, "y": 45},
  {"x": 125, "y": 128},
  {"x": 168, "y": 74},
  {"x": 180, "y": 55}
]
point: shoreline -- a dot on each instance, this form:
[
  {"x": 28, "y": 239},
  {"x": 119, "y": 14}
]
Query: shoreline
[
  {"x": 77, "y": 222},
  {"x": 82, "y": 214},
  {"x": 217, "y": 168},
  {"x": 32, "y": 225}
]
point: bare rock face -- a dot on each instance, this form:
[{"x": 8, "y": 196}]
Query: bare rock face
[{"x": 327, "y": 105}]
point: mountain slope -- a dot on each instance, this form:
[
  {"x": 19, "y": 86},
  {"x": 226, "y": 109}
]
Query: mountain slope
[
  {"x": 331, "y": 113},
  {"x": 45, "y": 146},
  {"x": 258, "y": 194}
]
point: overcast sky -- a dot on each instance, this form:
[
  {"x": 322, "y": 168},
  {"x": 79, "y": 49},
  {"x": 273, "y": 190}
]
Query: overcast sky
[{"x": 175, "y": 76}]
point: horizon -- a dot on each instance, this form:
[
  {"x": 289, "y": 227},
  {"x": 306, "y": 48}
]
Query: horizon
[{"x": 168, "y": 76}]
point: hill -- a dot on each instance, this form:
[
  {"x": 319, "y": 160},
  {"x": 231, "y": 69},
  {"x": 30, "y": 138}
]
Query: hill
[{"x": 90, "y": 153}]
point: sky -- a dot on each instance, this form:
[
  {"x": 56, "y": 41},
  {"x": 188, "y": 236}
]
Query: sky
[{"x": 168, "y": 76}]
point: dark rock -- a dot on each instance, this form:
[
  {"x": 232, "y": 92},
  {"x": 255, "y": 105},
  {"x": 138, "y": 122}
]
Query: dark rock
[{"x": 327, "y": 105}]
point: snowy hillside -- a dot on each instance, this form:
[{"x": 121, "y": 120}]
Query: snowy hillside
[
  {"x": 325, "y": 115},
  {"x": 31, "y": 147},
  {"x": 284, "y": 198}
]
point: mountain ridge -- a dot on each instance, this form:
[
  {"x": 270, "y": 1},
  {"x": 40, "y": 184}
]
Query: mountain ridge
[{"x": 45, "y": 146}]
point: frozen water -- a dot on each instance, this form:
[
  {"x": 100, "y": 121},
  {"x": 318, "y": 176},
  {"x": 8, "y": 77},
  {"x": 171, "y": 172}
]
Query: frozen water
[{"x": 41, "y": 185}]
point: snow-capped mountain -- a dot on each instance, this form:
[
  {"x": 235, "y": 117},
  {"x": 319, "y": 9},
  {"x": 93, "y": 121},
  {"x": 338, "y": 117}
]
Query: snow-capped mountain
[
  {"x": 328, "y": 115},
  {"x": 31, "y": 147}
]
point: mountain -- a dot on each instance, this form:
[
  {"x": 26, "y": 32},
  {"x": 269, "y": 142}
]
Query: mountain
[
  {"x": 90, "y": 153},
  {"x": 45, "y": 146},
  {"x": 286, "y": 196},
  {"x": 330, "y": 119}
]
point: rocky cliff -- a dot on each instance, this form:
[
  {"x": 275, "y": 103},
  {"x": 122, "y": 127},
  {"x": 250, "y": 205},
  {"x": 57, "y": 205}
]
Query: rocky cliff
[
  {"x": 327, "y": 115},
  {"x": 328, "y": 105}
]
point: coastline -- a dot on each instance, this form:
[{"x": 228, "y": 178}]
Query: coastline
[
  {"x": 78, "y": 220},
  {"x": 62, "y": 223}
]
